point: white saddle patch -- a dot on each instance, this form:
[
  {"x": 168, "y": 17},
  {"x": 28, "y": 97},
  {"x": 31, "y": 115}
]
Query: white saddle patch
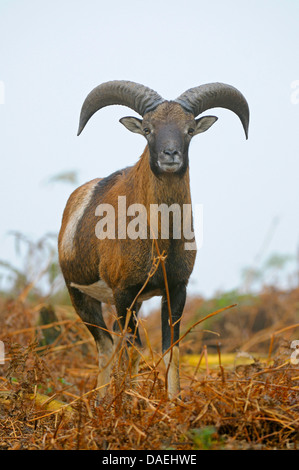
[
  {"x": 101, "y": 291},
  {"x": 81, "y": 203}
]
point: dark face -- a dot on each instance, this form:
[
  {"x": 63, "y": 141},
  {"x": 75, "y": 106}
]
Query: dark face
[
  {"x": 168, "y": 144},
  {"x": 168, "y": 131}
]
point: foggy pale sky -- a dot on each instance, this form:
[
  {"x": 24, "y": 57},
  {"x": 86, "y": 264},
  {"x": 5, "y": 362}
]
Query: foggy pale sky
[{"x": 53, "y": 53}]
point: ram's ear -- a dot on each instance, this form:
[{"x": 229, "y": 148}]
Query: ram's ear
[
  {"x": 204, "y": 123},
  {"x": 132, "y": 124}
]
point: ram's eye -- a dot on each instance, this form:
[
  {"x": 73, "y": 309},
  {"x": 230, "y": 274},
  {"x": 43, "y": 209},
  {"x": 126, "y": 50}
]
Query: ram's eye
[
  {"x": 146, "y": 130},
  {"x": 191, "y": 131}
]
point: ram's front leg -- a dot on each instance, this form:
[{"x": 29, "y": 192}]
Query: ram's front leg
[{"x": 170, "y": 334}]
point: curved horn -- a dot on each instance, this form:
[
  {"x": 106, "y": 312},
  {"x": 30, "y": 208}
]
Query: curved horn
[
  {"x": 137, "y": 97},
  {"x": 213, "y": 95}
]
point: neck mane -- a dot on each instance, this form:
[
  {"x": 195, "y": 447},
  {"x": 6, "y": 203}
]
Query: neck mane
[{"x": 163, "y": 189}]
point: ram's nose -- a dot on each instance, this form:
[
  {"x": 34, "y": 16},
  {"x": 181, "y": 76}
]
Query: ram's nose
[
  {"x": 170, "y": 160},
  {"x": 170, "y": 155}
]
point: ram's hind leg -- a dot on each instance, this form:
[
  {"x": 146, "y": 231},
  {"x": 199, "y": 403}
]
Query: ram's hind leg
[
  {"x": 129, "y": 340},
  {"x": 90, "y": 311}
]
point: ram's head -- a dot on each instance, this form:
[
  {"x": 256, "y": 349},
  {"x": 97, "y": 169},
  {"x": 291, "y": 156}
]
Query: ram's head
[{"x": 168, "y": 126}]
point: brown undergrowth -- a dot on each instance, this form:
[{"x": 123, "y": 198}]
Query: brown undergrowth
[{"x": 48, "y": 394}]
